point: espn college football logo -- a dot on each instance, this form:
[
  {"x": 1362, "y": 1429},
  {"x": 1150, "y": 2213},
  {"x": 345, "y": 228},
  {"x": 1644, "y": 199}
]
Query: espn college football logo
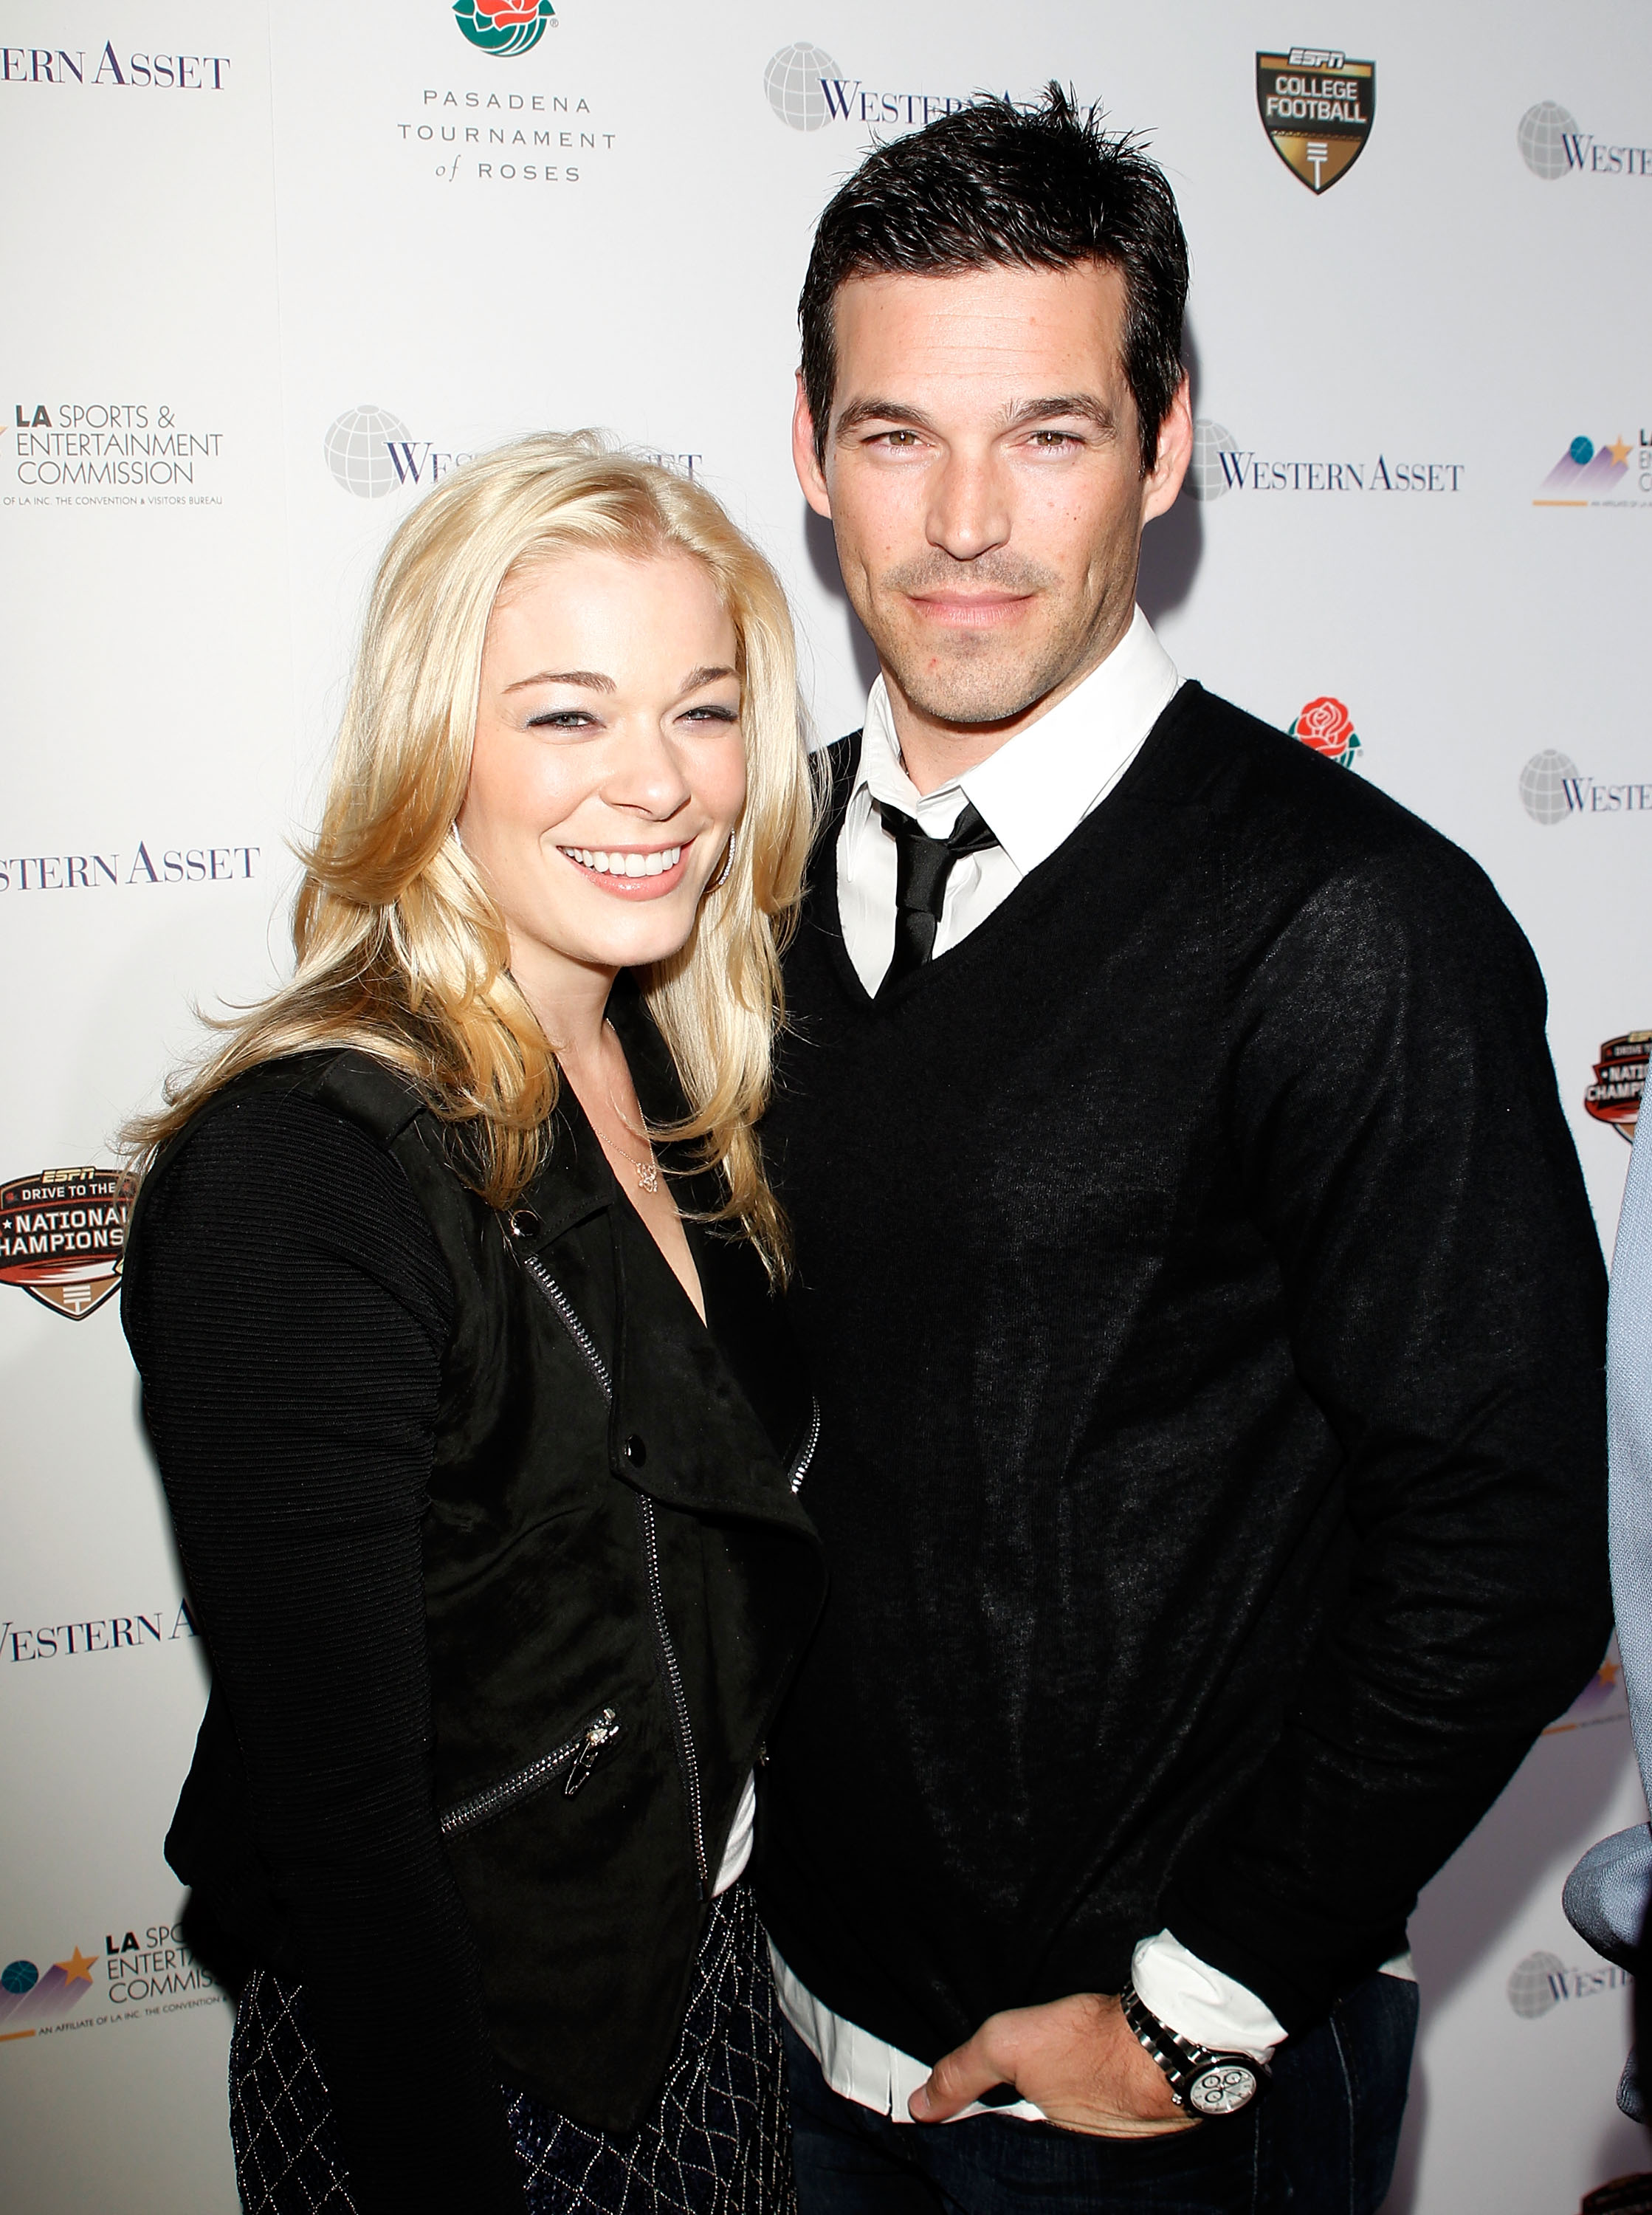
[{"x": 61, "y": 1235}]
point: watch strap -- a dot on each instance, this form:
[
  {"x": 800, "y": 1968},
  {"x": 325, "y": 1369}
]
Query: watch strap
[{"x": 1202, "y": 2079}]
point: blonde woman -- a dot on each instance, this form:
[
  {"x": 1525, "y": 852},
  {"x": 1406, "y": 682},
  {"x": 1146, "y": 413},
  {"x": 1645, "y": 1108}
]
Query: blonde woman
[{"x": 449, "y": 1285}]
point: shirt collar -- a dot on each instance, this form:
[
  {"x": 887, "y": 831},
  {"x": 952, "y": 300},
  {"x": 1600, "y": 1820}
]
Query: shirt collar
[{"x": 1039, "y": 786}]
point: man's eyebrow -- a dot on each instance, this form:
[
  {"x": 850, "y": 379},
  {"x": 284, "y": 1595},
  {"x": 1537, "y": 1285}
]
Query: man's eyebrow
[
  {"x": 1085, "y": 404},
  {"x": 589, "y": 680},
  {"x": 879, "y": 411}
]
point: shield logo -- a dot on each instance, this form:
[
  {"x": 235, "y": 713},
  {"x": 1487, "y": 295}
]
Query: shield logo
[
  {"x": 62, "y": 1232},
  {"x": 1619, "y": 1079},
  {"x": 1317, "y": 106}
]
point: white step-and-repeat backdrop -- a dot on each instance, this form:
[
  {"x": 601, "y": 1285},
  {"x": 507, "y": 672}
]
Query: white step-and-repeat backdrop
[{"x": 271, "y": 270}]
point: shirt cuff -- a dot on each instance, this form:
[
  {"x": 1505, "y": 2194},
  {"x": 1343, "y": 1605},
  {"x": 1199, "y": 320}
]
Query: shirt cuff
[{"x": 1199, "y": 2003}]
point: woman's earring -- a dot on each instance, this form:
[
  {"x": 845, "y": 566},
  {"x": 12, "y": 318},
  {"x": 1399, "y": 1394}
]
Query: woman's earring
[{"x": 722, "y": 876}]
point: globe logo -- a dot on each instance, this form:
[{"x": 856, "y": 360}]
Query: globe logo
[
  {"x": 357, "y": 449},
  {"x": 1543, "y": 791},
  {"x": 1536, "y": 1985},
  {"x": 1206, "y": 477},
  {"x": 504, "y": 27},
  {"x": 793, "y": 82},
  {"x": 1542, "y": 135}
]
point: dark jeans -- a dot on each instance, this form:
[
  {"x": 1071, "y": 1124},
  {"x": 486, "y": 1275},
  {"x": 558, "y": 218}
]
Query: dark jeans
[{"x": 1320, "y": 2140}]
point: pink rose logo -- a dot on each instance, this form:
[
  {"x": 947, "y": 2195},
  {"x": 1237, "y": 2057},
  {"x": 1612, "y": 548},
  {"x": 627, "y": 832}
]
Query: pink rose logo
[
  {"x": 1326, "y": 726},
  {"x": 503, "y": 27}
]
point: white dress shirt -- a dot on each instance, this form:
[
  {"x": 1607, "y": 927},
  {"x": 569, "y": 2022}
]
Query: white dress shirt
[{"x": 1032, "y": 794}]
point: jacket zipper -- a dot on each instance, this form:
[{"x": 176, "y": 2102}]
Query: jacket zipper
[
  {"x": 800, "y": 1466},
  {"x": 577, "y": 1755},
  {"x": 564, "y": 1309}
]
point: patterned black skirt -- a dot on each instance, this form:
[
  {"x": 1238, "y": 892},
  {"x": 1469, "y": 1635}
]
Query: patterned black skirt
[{"x": 717, "y": 2143}]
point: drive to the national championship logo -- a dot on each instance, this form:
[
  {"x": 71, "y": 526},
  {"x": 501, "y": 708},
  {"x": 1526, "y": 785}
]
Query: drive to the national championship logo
[
  {"x": 1317, "y": 106},
  {"x": 1619, "y": 1079},
  {"x": 61, "y": 1235}
]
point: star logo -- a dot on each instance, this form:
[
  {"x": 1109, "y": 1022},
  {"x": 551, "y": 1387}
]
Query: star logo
[
  {"x": 77, "y": 1968},
  {"x": 1620, "y": 450}
]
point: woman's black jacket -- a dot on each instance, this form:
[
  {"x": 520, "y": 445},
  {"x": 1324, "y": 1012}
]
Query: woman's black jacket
[{"x": 618, "y": 1578}]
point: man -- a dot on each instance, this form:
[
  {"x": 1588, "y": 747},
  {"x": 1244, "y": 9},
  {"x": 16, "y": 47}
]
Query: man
[{"x": 1205, "y": 1311}]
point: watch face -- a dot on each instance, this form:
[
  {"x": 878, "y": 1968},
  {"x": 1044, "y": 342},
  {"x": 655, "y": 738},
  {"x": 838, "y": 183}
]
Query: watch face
[{"x": 1223, "y": 2089}]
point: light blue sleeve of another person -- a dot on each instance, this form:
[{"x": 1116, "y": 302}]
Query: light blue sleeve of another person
[
  {"x": 1608, "y": 1893},
  {"x": 1628, "y": 1411}
]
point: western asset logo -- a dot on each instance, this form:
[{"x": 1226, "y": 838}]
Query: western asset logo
[
  {"x": 1554, "y": 145},
  {"x": 66, "y": 66},
  {"x": 99, "y": 1634},
  {"x": 1613, "y": 473},
  {"x": 63, "y": 1233},
  {"x": 504, "y": 26},
  {"x": 1553, "y": 789},
  {"x": 1316, "y": 107},
  {"x": 807, "y": 90},
  {"x": 1221, "y": 465},
  {"x": 109, "y": 453},
  {"x": 139, "y": 1975},
  {"x": 1615, "y": 1098},
  {"x": 1542, "y": 1982},
  {"x": 372, "y": 452},
  {"x": 1326, "y": 727}
]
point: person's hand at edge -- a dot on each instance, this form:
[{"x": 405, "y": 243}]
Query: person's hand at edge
[{"x": 1076, "y": 2060}]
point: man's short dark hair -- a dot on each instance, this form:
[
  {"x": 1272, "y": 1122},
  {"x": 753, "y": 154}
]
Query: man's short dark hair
[{"x": 998, "y": 185}]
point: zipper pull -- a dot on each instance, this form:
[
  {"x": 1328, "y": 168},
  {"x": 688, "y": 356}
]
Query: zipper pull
[{"x": 606, "y": 1727}]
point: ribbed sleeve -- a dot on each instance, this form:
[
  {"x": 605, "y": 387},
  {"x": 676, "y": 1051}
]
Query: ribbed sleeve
[{"x": 288, "y": 1310}]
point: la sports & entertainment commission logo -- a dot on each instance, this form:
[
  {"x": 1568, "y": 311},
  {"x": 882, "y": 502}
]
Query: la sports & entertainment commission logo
[
  {"x": 138, "y": 1976},
  {"x": 1599, "y": 473}
]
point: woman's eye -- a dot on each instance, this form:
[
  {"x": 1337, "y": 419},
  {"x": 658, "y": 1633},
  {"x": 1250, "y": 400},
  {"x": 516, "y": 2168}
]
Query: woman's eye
[
  {"x": 711, "y": 715},
  {"x": 562, "y": 719}
]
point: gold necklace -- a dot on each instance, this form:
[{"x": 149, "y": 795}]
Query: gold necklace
[{"x": 648, "y": 1171}]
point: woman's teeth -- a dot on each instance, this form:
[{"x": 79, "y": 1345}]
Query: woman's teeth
[{"x": 626, "y": 865}]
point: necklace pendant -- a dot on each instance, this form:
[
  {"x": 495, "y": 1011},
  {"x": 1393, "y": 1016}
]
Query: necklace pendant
[{"x": 648, "y": 1177}]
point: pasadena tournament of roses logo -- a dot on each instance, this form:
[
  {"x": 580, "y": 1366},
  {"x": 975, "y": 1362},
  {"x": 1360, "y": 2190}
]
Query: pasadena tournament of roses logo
[
  {"x": 61, "y": 1235},
  {"x": 1326, "y": 726},
  {"x": 1619, "y": 1080},
  {"x": 504, "y": 27},
  {"x": 1316, "y": 107}
]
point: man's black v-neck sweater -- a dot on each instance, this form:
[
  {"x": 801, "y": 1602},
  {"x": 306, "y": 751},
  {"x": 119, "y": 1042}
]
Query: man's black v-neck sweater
[{"x": 1207, "y": 1319}]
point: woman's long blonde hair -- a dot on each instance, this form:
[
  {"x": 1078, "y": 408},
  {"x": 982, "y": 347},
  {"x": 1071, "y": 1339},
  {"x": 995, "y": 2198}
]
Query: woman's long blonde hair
[{"x": 400, "y": 950}]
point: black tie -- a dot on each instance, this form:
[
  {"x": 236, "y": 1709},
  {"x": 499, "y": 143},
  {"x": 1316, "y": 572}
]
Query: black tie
[{"x": 923, "y": 866}]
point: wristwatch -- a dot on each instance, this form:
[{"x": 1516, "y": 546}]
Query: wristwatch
[{"x": 1203, "y": 2082}]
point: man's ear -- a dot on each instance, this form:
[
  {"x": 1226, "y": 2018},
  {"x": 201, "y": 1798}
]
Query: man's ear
[
  {"x": 810, "y": 476},
  {"x": 1164, "y": 480}
]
